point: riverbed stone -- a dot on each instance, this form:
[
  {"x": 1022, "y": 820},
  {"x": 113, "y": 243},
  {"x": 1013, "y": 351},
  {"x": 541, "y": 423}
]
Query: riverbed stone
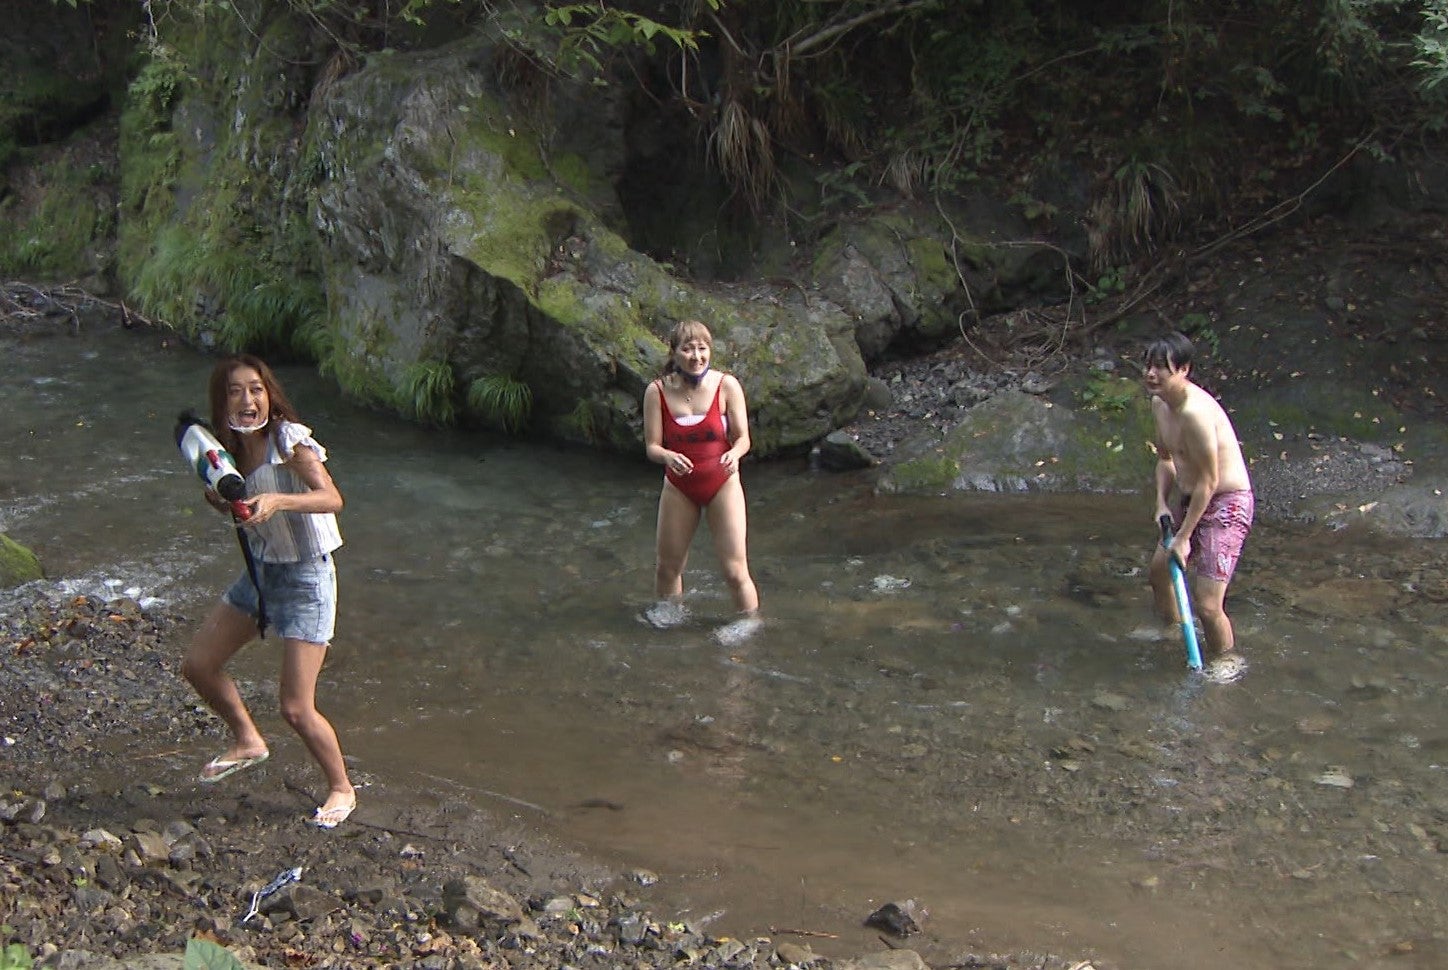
[
  {"x": 473, "y": 902},
  {"x": 1110, "y": 701},
  {"x": 840, "y": 452},
  {"x": 795, "y": 955},
  {"x": 1017, "y": 442},
  {"x": 151, "y": 846},
  {"x": 887, "y": 960}
]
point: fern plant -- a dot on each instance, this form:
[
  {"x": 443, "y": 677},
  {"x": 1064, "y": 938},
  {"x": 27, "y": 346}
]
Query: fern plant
[
  {"x": 743, "y": 149},
  {"x": 502, "y": 400},
  {"x": 253, "y": 307},
  {"x": 427, "y": 392}
]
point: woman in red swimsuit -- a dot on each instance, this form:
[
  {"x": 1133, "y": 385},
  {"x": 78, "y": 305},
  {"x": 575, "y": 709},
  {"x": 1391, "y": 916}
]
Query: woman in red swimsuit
[{"x": 697, "y": 427}]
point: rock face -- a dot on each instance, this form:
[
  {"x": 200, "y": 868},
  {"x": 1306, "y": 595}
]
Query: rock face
[
  {"x": 1017, "y": 442},
  {"x": 452, "y": 240},
  {"x": 454, "y": 246},
  {"x": 468, "y": 244}
]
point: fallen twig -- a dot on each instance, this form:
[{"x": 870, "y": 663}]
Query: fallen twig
[
  {"x": 485, "y": 791},
  {"x": 153, "y": 755},
  {"x": 28, "y": 301},
  {"x": 817, "y": 934}
]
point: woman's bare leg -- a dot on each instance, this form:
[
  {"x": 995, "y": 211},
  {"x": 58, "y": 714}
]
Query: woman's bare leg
[
  {"x": 225, "y": 631},
  {"x": 728, "y": 524},
  {"x": 678, "y": 521},
  {"x": 301, "y": 665}
]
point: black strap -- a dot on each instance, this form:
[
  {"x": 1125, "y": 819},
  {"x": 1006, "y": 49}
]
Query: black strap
[{"x": 251, "y": 571}]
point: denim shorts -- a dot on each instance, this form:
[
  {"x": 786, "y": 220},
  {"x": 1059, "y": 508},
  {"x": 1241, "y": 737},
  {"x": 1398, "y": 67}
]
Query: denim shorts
[{"x": 300, "y": 598}]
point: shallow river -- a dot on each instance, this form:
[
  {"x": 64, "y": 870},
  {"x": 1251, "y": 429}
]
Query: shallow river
[{"x": 961, "y": 701}]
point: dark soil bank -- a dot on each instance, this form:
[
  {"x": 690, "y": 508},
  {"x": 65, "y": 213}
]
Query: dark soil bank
[{"x": 1327, "y": 343}]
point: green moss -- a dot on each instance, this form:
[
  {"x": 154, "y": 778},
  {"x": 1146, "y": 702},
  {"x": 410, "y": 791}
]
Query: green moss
[
  {"x": 928, "y": 256},
  {"x": 59, "y": 238},
  {"x": 581, "y": 424},
  {"x": 974, "y": 253},
  {"x": 558, "y": 297},
  {"x": 612, "y": 246},
  {"x": 1107, "y": 393},
  {"x": 573, "y": 171},
  {"x": 487, "y": 128},
  {"x": 1107, "y": 450},
  {"x": 515, "y": 245},
  {"x": 362, "y": 379},
  {"x": 618, "y": 323},
  {"x": 214, "y": 233},
  {"x": 361, "y": 373},
  {"x": 1015, "y": 439},
  {"x": 1327, "y": 408},
  {"x": 930, "y": 474},
  {"x": 17, "y": 564}
]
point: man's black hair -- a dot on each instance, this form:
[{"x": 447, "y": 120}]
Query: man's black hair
[{"x": 1172, "y": 350}]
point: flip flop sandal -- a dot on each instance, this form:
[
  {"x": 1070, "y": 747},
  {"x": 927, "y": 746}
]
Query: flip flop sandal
[
  {"x": 219, "y": 767},
  {"x": 333, "y": 817}
]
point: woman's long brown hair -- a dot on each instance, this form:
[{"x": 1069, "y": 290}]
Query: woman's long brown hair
[{"x": 281, "y": 406}]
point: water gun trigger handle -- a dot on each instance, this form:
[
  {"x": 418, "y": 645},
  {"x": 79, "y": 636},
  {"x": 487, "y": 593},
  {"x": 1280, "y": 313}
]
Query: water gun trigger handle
[{"x": 1166, "y": 537}]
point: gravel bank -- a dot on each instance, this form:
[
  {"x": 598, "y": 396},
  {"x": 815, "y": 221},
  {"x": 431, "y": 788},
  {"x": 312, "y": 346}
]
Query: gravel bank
[{"x": 97, "y": 862}]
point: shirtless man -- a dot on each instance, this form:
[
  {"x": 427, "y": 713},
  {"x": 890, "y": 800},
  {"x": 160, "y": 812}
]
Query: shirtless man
[{"x": 1198, "y": 452}]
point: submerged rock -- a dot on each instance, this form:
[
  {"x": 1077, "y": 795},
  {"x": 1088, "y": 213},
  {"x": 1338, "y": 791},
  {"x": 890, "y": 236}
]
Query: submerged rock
[
  {"x": 839, "y": 452},
  {"x": 896, "y": 918}
]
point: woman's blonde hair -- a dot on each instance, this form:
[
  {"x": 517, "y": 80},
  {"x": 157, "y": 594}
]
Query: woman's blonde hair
[{"x": 683, "y": 332}]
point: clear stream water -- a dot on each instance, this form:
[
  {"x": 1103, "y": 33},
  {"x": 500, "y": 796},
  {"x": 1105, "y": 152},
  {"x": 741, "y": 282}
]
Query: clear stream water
[{"x": 958, "y": 701}]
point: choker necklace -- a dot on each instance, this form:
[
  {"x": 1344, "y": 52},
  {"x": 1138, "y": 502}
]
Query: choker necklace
[
  {"x": 695, "y": 381},
  {"x": 253, "y": 430}
]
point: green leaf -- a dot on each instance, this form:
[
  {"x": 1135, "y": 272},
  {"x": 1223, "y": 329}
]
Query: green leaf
[
  {"x": 205, "y": 955},
  {"x": 15, "y": 957}
]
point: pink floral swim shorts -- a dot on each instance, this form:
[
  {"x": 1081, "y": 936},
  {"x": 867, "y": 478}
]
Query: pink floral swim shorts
[{"x": 1218, "y": 539}]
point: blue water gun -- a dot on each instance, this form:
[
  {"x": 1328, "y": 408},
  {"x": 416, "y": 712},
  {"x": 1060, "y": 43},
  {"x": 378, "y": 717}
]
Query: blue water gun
[{"x": 1183, "y": 601}]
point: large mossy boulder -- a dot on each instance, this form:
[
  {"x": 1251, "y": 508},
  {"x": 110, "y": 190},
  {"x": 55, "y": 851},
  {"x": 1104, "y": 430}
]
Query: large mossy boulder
[
  {"x": 1017, "y": 442},
  {"x": 912, "y": 278},
  {"x": 463, "y": 256},
  {"x": 18, "y": 565},
  {"x": 448, "y": 239}
]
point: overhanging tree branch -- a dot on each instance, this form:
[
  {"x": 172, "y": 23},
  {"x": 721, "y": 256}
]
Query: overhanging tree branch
[{"x": 832, "y": 31}]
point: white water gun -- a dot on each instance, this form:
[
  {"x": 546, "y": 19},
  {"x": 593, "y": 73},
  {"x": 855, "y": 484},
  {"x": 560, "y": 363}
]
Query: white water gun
[{"x": 211, "y": 462}]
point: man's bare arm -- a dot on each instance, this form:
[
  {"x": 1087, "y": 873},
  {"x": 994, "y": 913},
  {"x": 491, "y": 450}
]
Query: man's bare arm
[{"x": 1165, "y": 466}]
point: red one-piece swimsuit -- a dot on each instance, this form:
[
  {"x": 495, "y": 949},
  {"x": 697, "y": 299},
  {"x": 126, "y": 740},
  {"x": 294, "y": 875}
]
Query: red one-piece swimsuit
[{"x": 702, "y": 444}]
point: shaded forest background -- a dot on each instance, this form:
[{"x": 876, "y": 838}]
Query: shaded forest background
[{"x": 1125, "y": 132}]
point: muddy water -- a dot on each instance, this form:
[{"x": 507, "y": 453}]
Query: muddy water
[{"x": 959, "y": 701}]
